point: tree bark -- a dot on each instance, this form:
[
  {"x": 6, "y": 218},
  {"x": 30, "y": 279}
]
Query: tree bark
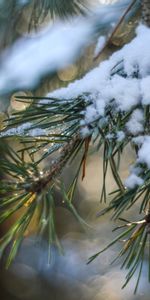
[{"x": 146, "y": 12}]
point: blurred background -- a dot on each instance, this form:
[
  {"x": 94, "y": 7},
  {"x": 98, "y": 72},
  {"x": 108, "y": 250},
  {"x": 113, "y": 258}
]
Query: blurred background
[{"x": 68, "y": 276}]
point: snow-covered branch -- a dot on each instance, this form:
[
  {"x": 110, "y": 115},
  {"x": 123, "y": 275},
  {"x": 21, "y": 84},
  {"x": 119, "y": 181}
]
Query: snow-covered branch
[{"x": 120, "y": 85}]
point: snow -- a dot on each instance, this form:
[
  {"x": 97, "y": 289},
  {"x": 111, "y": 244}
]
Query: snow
[
  {"x": 144, "y": 152},
  {"x": 122, "y": 79},
  {"x": 100, "y": 44},
  {"x": 53, "y": 48},
  {"x": 120, "y": 136},
  {"x": 85, "y": 131},
  {"x": 91, "y": 114},
  {"x": 133, "y": 181},
  {"x": 50, "y": 49},
  {"x": 143, "y": 157},
  {"x": 139, "y": 140},
  {"x": 145, "y": 86},
  {"x": 137, "y": 54},
  {"x": 93, "y": 81},
  {"x": 110, "y": 136},
  {"x": 125, "y": 91},
  {"x": 122, "y": 82},
  {"x": 135, "y": 124},
  {"x": 103, "y": 85},
  {"x": 135, "y": 170},
  {"x": 23, "y": 129},
  {"x": 37, "y": 132},
  {"x": 129, "y": 91}
]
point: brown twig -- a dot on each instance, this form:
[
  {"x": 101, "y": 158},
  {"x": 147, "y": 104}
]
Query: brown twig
[
  {"x": 56, "y": 166},
  {"x": 115, "y": 29}
]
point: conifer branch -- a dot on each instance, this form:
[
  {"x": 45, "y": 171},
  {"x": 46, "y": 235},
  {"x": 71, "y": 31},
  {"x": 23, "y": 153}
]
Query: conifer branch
[{"x": 61, "y": 127}]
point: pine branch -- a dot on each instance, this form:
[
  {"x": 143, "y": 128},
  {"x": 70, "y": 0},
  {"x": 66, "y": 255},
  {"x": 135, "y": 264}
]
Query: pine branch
[
  {"x": 12, "y": 12},
  {"x": 61, "y": 8},
  {"x": 135, "y": 238},
  {"x": 64, "y": 126},
  {"x": 24, "y": 185}
]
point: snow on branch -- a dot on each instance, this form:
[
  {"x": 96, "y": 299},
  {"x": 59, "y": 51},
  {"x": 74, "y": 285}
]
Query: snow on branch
[
  {"x": 118, "y": 89},
  {"x": 125, "y": 76},
  {"x": 119, "y": 86}
]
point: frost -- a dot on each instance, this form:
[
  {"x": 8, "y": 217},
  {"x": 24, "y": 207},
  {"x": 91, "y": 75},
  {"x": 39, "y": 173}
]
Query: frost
[
  {"x": 37, "y": 132},
  {"x": 24, "y": 129}
]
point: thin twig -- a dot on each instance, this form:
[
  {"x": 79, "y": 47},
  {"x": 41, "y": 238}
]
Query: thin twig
[
  {"x": 56, "y": 166},
  {"x": 115, "y": 29}
]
